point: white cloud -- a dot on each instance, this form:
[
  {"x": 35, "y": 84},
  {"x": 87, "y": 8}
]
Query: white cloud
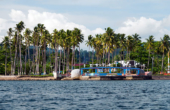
[
  {"x": 50, "y": 20},
  {"x": 145, "y": 27}
]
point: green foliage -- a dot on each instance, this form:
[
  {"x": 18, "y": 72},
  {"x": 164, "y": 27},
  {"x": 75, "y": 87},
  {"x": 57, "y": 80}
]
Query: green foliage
[{"x": 106, "y": 47}]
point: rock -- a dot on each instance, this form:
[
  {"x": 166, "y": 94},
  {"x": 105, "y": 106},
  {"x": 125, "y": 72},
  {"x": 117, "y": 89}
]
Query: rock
[
  {"x": 55, "y": 74},
  {"x": 75, "y": 73}
]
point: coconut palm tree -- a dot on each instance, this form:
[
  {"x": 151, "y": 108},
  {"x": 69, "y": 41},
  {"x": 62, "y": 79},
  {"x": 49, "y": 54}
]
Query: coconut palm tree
[
  {"x": 19, "y": 27},
  {"x": 55, "y": 42},
  {"x": 136, "y": 41},
  {"x": 15, "y": 40},
  {"x": 36, "y": 40},
  {"x": 122, "y": 44},
  {"x": 63, "y": 40},
  {"x": 116, "y": 44},
  {"x": 40, "y": 29},
  {"x": 104, "y": 40},
  {"x": 79, "y": 38},
  {"x": 10, "y": 34},
  {"x": 149, "y": 46},
  {"x": 49, "y": 43},
  {"x": 44, "y": 39},
  {"x": 93, "y": 46},
  {"x": 164, "y": 46},
  {"x": 5, "y": 43},
  {"x": 68, "y": 45},
  {"x": 76, "y": 39},
  {"x": 27, "y": 37},
  {"x": 88, "y": 43},
  {"x": 98, "y": 46},
  {"x": 129, "y": 45},
  {"x": 109, "y": 34}
]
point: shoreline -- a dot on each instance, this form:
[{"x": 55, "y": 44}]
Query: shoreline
[
  {"x": 50, "y": 78},
  {"x": 26, "y": 78}
]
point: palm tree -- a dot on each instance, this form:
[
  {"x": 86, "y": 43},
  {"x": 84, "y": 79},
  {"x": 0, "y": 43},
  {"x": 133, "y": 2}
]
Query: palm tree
[
  {"x": 98, "y": 46},
  {"x": 44, "y": 39},
  {"x": 36, "y": 40},
  {"x": 164, "y": 46},
  {"x": 5, "y": 43},
  {"x": 129, "y": 45},
  {"x": 88, "y": 43},
  {"x": 74, "y": 43},
  {"x": 16, "y": 43},
  {"x": 136, "y": 41},
  {"x": 109, "y": 34},
  {"x": 93, "y": 45},
  {"x": 63, "y": 40},
  {"x": 149, "y": 46},
  {"x": 104, "y": 40},
  {"x": 68, "y": 45},
  {"x": 40, "y": 29},
  {"x": 19, "y": 27},
  {"x": 10, "y": 34},
  {"x": 122, "y": 44},
  {"x": 79, "y": 38},
  {"x": 116, "y": 43},
  {"x": 49, "y": 43},
  {"x": 55, "y": 42},
  {"x": 27, "y": 37}
]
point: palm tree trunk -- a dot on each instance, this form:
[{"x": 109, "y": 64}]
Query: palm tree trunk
[
  {"x": 29, "y": 59},
  {"x": 37, "y": 60},
  {"x": 44, "y": 62},
  {"x": 56, "y": 59},
  {"x": 92, "y": 57},
  {"x": 129, "y": 55},
  {"x": 75, "y": 60},
  {"x": 60, "y": 61},
  {"x": 64, "y": 61},
  {"x": 112, "y": 57},
  {"x": 79, "y": 56},
  {"x": 97, "y": 59},
  {"x": 42, "y": 56},
  {"x": 20, "y": 55},
  {"x": 100, "y": 60},
  {"x": 10, "y": 54},
  {"x": 73, "y": 57},
  {"x": 122, "y": 55},
  {"x": 33, "y": 62},
  {"x": 105, "y": 60},
  {"x": 49, "y": 55},
  {"x": 67, "y": 65},
  {"x": 5, "y": 61},
  {"x": 109, "y": 54},
  {"x": 148, "y": 59},
  {"x": 18, "y": 64},
  {"x": 103, "y": 57},
  {"x": 25, "y": 58},
  {"x": 89, "y": 54},
  {"x": 162, "y": 60},
  {"x": 15, "y": 54}
]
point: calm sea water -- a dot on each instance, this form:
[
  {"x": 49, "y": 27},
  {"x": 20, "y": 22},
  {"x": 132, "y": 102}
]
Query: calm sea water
[{"x": 27, "y": 95}]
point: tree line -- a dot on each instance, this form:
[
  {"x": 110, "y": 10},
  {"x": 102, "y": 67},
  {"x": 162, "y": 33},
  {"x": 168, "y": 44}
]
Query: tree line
[
  {"x": 18, "y": 43},
  {"x": 131, "y": 48},
  {"x": 106, "y": 48}
]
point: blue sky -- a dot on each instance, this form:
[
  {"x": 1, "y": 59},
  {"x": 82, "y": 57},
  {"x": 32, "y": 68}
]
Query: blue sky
[{"x": 145, "y": 17}]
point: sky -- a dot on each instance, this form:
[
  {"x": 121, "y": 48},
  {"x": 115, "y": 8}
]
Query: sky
[{"x": 145, "y": 17}]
